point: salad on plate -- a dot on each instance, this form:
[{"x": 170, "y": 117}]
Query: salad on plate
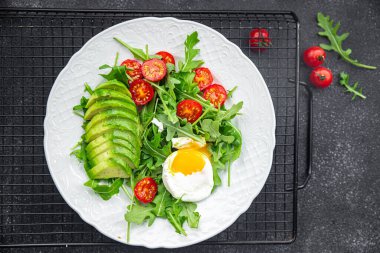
[{"x": 159, "y": 131}]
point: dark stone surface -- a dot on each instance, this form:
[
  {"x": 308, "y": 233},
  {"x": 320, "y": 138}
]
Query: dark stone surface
[{"x": 339, "y": 211}]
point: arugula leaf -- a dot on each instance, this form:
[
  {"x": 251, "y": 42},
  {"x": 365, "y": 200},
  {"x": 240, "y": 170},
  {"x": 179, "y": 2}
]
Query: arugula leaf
[
  {"x": 80, "y": 109},
  {"x": 81, "y": 154},
  {"x": 105, "y": 191},
  {"x": 230, "y": 92},
  {"x": 176, "y": 128},
  {"x": 344, "y": 81},
  {"x": 137, "y": 52},
  {"x": 117, "y": 72},
  {"x": 162, "y": 201},
  {"x": 234, "y": 149},
  {"x": 331, "y": 32},
  {"x": 88, "y": 88},
  {"x": 169, "y": 104},
  {"x": 190, "y": 53},
  {"x": 147, "y": 113},
  {"x": 230, "y": 113},
  {"x": 139, "y": 213},
  {"x": 212, "y": 128},
  {"x": 153, "y": 146},
  {"x": 188, "y": 213}
]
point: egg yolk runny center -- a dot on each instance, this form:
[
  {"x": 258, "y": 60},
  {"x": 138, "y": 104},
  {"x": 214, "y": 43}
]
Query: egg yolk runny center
[{"x": 188, "y": 162}]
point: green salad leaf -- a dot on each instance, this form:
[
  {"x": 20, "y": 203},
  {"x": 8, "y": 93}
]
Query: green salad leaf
[
  {"x": 331, "y": 32},
  {"x": 176, "y": 128},
  {"x": 139, "y": 213},
  {"x": 190, "y": 53},
  {"x": 80, "y": 109},
  {"x": 138, "y": 53},
  {"x": 354, "y": 89},
  {"x": 105, "y": 189},
  {"x": 117, "y": 72}
]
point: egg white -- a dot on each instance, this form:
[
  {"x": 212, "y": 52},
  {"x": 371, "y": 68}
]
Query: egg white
[{"x": 194, "y": 187}]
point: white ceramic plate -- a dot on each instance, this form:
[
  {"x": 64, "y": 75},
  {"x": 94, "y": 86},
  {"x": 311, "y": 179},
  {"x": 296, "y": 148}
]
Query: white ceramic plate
[{"x": 229, "y": 66}]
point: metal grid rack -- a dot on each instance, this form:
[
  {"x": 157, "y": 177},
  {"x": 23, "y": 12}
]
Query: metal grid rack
[{"x": 37, "y": 44}]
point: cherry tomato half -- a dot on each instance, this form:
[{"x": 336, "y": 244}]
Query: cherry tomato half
[
  {"x": 203, "y": 78},
  {"x": 259, "y": 39},
  {"x": 142, "y": 92},
  {"x": 166, "y": 57},
  {"x": 314, "y": 56},
  {"x": 189, "y": 109},
  {"x": 154, "y": 70},
  {"x": 216, "y": 94},
  {"x": 136, "y": 66},
  {"x": 146, "y": 190},
  {"x": 321, "y": 77}
]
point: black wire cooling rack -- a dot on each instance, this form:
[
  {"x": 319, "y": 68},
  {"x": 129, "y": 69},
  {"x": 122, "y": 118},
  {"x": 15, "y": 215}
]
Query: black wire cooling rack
[{"x": 37, "y": 44}]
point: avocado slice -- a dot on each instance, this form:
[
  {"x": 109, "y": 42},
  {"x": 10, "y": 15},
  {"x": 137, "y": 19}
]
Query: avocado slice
[
  {"x": 112, "y": 123},
  {"x": 108, "y": 169},
  {"x": 132, "y": 151},
  {"x": 103, "y": 105},
  {"x": 114, "y": 85},
  {"x": 114, "y": 134},
  {"x": 118, "y": 151},
  {"x": 108, "y": 94},
  {"x": 111, "y": 113}
]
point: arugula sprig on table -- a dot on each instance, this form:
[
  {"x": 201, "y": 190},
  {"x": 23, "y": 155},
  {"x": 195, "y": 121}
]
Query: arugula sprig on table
[
  {"x": 354, "y": 89},
  {"x": 330, "y": 31}
]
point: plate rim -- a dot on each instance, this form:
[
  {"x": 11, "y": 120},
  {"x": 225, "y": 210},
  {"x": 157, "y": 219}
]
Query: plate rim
[{"x": 272, "y": 140}]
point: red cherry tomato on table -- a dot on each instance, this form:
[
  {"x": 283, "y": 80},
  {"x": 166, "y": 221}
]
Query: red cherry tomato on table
[
  {"x": 153, "y": 70},
  {"x": 259, "y": 39},
  {"x": 142, "y": 92},
  {"x": 216, "y": 94},
  {"x": 189, "y": 109},
  {"x": 321, "y": 77},
  {"x": 203, "y": 78},
  {"x": 146, "y": 190},
  {"x": 166, "y": 57},
  {"x": 314, "y": 56},
  {"x": 136, "y": 66}
]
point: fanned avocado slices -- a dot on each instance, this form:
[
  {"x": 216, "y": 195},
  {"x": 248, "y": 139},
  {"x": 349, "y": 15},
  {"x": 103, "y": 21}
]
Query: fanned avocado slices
[
  {"x": 113, "y": 123},
  {"x": 114, "y": 85},
  {"x": 132, "y": 153},
  {"x": 114, "y": 134},
  {"x": 103, "y": 94},
  {"x": 111, "y": 113},
  {"x": 110, "y": 168},
  {"x": 103, "y": 105},
  {"x": 118, "y": 151}
]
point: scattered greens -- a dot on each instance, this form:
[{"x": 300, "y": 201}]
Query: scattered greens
[
  {"x": 344, "y": 81},
  {"x": 331, "y": 32},
  {"x": 214, "y": 126}
]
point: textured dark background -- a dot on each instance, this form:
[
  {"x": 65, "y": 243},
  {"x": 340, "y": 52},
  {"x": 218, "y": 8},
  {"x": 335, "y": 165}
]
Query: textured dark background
[{"x": 339, "y": 211}]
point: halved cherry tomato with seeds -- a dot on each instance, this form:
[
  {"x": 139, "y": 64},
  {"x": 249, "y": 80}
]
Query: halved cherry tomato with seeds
[
  {"x": 154, "y": 70},
  {"x": 189, "y": 109},
  {"x": 203, "y": 77},
  {"x": 259, "y": 39},
  {"x": 136, "y": 66},
  {"x": 142, "y": 92},
  {"x": 216, "y": 94},
  {"x": 166, "y": 57},
  {"x": 145, "y": 190}
]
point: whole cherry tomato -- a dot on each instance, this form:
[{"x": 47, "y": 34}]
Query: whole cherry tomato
[
  {"x": 321, "y": 77},
  {"x": 314, "y": 56}
]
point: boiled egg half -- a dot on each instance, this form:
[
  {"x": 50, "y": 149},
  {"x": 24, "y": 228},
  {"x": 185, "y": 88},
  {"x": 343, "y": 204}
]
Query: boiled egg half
[{"x": 187, "y": 173}]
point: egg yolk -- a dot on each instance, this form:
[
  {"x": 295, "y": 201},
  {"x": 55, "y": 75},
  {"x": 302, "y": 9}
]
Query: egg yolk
[
  {"x": 197, "y": 147},
  {"x": 188, "y": 162}
]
